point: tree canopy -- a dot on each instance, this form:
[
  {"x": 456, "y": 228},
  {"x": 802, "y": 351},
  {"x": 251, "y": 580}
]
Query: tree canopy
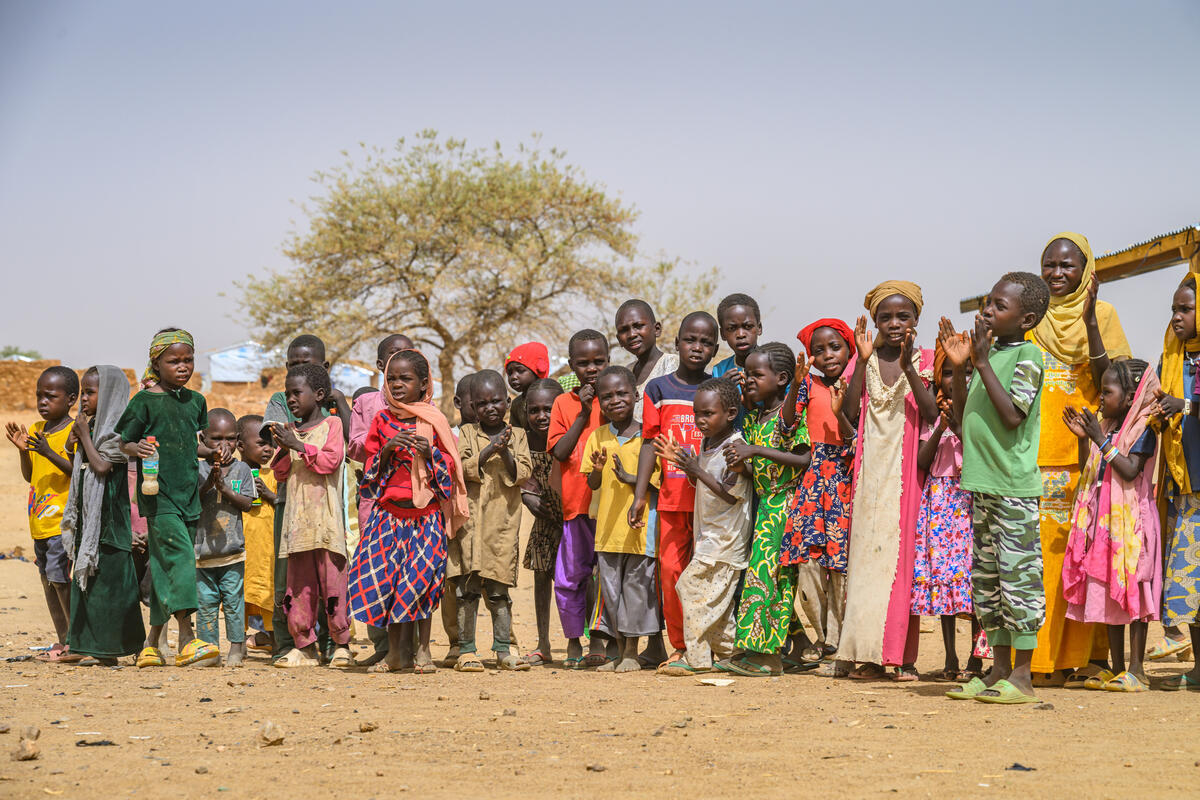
[{"x": 467, "y": 251}]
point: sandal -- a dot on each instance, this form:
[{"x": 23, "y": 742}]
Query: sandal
[
  {"x": 1180, "y": 683},
  {"x": 1052, "y": 680},
  {"x": 834, "y": 669},
  {"x": 906, "y": 675},
  {"x": 573, "y": 662},
  {"x": 1005, "y": 694},
  {"x": 944, "y": 675},
  {"x": 341, "y": 659},
  {"x": 970, "y": 689},
  {"x": 868, "y": 672},
  {"x": 538, "y": 659},
  {"x": 510, "y": 663},
  {"x": 1125, "y": 682},
  {"x": 150, "y": 657},
  {"x": 427, "y": 668},
  {"x": 197, "y": 651},
  {"x": 59, "y": 654},
  {"x": 795, "y": 666},
  {"x": 381, "y": 667},
  {"x": 592, "y": 660},
  {"x": 296, "y": 658},
  {"x": 468, "y": 662},
  {"x": 1180, "y": 648},
  {"x": 680, "y": 669},
  {"x": 748, "y": 669}
]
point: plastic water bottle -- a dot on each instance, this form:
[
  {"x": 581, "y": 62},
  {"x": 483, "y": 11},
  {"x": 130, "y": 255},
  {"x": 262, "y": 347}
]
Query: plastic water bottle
[
  {"x": 257, "y": 501},
  {"x": 150, "y": 469}
]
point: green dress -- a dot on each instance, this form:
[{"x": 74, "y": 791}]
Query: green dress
[
  {"x": 174, "y": 418},
  {"x": 770, "y": 589},
  {"x": 106, "y": 618}
]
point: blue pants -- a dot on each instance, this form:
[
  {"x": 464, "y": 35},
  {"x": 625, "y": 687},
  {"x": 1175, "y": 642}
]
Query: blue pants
[{"x": 220, "y": 587}]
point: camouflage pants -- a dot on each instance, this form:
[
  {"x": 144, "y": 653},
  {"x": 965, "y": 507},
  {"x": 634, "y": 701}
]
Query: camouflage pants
[{"x": 1006, "y": 570}]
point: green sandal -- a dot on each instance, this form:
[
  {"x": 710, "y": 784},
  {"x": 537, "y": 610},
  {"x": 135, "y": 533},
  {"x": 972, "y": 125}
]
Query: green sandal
[
  {"x": 748, "y": 669},
  {"x": 573, "y": 662},
  {"x": 968, "y": 690},
  {"x": 681, "y": 669},
  {"x": 1008, "y": 695},
  {"x": 1180, "y": 683}
]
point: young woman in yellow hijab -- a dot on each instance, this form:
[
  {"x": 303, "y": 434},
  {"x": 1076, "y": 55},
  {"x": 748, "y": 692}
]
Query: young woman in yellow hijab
[{"x": 1079, "y": 335}]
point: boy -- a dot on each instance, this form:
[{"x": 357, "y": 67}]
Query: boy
[
  {"x": 574, "y": 416},
  {"x": 542, "y": 496},
  {"x": 637, "y": 333},
  {"x": 258, "y": 526},
  {"x": 667, "y": 413},
  {"x": 482, "y": 559},
  {"x": 708, "y": 588},
  {"x": 227, "y": 490},
  {"x": 304, "y": 349},
  {"x": 526, "y": 364},
  {"x": 46, "y": 465},
  {"x": 741, "y": 325},
  {"x": 1000, "y": 418},
  {"x": 625, "y": 554}
]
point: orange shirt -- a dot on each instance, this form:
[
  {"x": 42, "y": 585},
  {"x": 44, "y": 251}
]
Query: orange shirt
[{"x": 576, "y": 496}]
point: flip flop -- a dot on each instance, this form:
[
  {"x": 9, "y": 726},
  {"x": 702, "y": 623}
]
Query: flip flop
[
  {"x": 968, "y": 690},
  {"x": 906, "y": 675},
  {"x": 592, "y": 660},
  {"x": 680, "y": 669},
  {"x": 748, "y": 669},
  {"x": 1008, "y": 695},
  {"x": 538, "y": 659},
  {"x": 425, "y": 669},
  {"x": 868, "y": 672},
  {"x": 59, "y": 654},
  {"x": 195, "y": 652},
  {"x": 573, "y": 662},
  {"x": 793, "y": 666},
  {"x": 1125, "y": 682},
  {"x": 150, "y": 657},
  {"x": 944, "y": 675},
  {"x": 1180, "y": 683}
]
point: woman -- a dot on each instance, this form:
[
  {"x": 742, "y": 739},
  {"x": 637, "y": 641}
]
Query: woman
[{"x": 1079, "y": 336}]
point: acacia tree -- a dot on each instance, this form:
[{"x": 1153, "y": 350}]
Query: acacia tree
[{"x": 464, "y": 250}]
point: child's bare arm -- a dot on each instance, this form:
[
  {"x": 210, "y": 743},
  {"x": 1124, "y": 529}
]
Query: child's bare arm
[
  {"x": 1086, "y": 426},
  {"x": 981, "y": 344},
  {"x": 100, "y": 465},
  {"x": 924, "y": 395},
  {"x": 690, "y": 464},
  {"x": 928, "y": 448},
  {"x": 566, "y": 445},
  {"x": 788, "y": 411},
  {"x": 645, "y": 468},
  {"x": 596, "y": 475},
  {"x": 240, "y": 501},
  {"x": 865, "y": 346}
]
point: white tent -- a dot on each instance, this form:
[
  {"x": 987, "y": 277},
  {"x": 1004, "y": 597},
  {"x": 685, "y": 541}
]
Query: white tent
[{"x": 240, "y": 363}]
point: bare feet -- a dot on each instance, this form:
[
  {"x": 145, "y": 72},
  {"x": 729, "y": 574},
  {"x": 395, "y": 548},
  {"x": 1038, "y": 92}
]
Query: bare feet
[
  {"x": 628, "y": 665},
  {"x": 237, "y": 654},
  {"x": 655, "y": 652}
]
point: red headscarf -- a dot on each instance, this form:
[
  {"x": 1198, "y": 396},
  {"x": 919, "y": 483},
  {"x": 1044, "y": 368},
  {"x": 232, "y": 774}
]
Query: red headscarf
[
  {"x": 533, "y": 356},
  {"x": 842, "y": 329}
]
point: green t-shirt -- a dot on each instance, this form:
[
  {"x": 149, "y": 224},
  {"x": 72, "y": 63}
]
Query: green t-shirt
[
  {"x": 997, "y": 460},
  {"x": 174, "y": 418}
]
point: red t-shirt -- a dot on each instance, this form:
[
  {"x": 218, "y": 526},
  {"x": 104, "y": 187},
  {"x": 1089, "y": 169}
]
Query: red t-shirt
[
  {"x": 576, "y": 496},
  {"x": 668, "y": 407}
]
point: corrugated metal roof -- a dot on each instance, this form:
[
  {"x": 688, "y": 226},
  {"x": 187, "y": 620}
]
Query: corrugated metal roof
[{"x": 1148, "y": 241}]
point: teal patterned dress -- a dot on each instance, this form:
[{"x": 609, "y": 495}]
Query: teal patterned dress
[{"x": 770, "y": 589}]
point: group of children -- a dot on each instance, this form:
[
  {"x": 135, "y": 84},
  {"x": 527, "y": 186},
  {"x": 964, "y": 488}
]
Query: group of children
[{"x": 856, "y": 486}]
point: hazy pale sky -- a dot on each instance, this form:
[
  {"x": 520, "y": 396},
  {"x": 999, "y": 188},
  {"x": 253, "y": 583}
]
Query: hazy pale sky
[{"x": 153, "y": 153}]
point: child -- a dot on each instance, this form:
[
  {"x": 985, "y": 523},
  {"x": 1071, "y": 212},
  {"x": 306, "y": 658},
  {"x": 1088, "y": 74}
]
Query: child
[
  {"x": 817, "y": 535},
  {"x": 1000, "y": 425},
  {"x": 942, "y": 564},
  {"x": 526, "y": 364},
  {"x": 46, "y": 465},
  {"x": 637, "y": 333},
  {"x": 413, "y": 475},
  {"x": 227, "y": 490},
  {"x": 313, "y": 530},
  {"x": 258, "y": 526},
  {"x": 708, "y": 588},
  {"x": 106, "y": 618},
  {"x": 363, "y": 411},
  {"x": 542, "y": 495},
  {"x": 574, "y": 416},
  {"x": 667, "y": 415},
  {"x": 1113, "y": 571},
  {"x": 625, "y": 554},
  {"x": 449, "y": 609},
  {"x": 776, "y": 451},
  {"x": 173, "y": 415},
  {"x": 304, "y": 349},
  {"x": 1177, "y": 410},
  {"x": 740, "y": 324},
  {"x": 482, "y": 559},
  {"x": 890, "y": 399}
]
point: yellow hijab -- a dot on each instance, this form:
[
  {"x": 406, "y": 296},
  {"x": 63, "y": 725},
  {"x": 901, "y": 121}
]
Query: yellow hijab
[
  {"x": 1174, "y": 354},
  {"x": 1062, "y": 332}
]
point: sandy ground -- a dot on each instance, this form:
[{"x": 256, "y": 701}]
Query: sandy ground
[{"x": 194, "y": 732}]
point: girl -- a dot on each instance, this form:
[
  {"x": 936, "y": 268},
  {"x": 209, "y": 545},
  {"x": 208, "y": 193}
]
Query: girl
[
  {"x": 890, "y": 399},
  {"x": 541, "y": 495},
  {"x": 818, "y": 523},
  {"x": 776, "y": 447},
  {"x": 172, "y": 415},
  {"x": 106, "y": 618},
  {"x": 1112, "y": 573},
  {"x": 1177, "y": 406},
  {"x": 414, "y": 475},
  {"x": 942, "y": 561},
  {"x": 1078, "y": 336},
  {"x": 313, "y": 529}
]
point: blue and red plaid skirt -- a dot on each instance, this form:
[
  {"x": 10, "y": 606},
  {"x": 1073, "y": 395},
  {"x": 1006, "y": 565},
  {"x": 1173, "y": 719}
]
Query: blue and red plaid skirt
[{"x": 399, "y": 568}]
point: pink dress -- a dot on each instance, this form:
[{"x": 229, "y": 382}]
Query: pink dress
[{"x": 942, "y": 565}]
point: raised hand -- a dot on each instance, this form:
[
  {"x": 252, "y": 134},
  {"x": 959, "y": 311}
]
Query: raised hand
[
  {"x": 37, "y": 443},
  {"x": 1089, "y": 303},
  {"x": 17, "y": 435},
  {"x": 906, "y": 349},
  {"x": 285, "y": 435},
  {"x": 802, "y": 367},
  {"x": 599, "y": 459},
  {"x": 587, "y": 394},
  {"x": 837, "y": 395},
  {"x": 957, "y": 346},
  {"x": 1091, "y": 425},
  {"x": 981, "y": 341},
  {"x": 736, "y": 453},
  {"x": 863, "y": 341},
  {"x": 737, "y": 376},
  {"x": 501, "y": 440},
  {"x": 1074, "y": 422}
]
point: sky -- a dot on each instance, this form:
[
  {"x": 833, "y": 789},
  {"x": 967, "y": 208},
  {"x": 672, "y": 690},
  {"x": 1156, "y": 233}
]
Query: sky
[{"x": 152, "y": 154}]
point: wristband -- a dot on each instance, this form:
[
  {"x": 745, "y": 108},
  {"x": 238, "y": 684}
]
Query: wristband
[{"x": 1109, "y": 452}]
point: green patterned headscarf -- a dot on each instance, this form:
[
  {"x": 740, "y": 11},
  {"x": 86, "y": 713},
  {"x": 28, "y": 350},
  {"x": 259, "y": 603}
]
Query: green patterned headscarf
[{"x": 159, "y": 345}]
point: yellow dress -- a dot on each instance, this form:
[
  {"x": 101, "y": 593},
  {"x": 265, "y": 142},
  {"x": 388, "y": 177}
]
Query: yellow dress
[{"x": 258, "y": 526}]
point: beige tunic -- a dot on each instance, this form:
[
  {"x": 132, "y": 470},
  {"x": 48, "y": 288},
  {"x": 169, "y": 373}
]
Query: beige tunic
[{"x": 487, "y": 544}]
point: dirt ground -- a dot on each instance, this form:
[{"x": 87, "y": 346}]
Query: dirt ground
[{"x": 194, "y": 732}]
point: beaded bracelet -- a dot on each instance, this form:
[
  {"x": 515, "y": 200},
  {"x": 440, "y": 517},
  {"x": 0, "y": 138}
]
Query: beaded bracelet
[{"x": 1109, "y": 452}]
